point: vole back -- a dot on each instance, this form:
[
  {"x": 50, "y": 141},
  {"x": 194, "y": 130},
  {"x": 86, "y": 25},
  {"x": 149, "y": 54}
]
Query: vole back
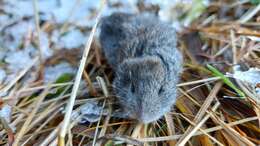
[{"x": 142, "y": 51}]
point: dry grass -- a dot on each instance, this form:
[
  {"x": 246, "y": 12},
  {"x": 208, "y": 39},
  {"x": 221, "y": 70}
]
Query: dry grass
[{"x": 208, "y": 111}]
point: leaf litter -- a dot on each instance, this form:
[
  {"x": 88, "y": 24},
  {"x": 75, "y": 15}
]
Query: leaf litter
[{"x": 228, "y": 35}]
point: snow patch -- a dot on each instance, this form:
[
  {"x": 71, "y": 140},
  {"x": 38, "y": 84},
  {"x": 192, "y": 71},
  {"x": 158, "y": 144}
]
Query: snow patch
[
  {"x": 5, "y": 112},
  {"x": 45, "y": 46},
  {"x": 17, "y": 60},
  {"x": 51, "y": 73},
  {"x": 74, "y": 38},
  {"x": 91, "y": 111},
  {"x": 2, "y": 75}
]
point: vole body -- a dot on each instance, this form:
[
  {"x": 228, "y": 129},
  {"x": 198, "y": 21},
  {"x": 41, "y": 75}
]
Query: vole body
[{"x": 142, "y": 51}]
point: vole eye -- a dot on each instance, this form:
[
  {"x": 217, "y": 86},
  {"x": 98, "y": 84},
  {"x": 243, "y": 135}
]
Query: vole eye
[
  {"x": 132, "y": 88},
  {"x": 160, "y": 90}
]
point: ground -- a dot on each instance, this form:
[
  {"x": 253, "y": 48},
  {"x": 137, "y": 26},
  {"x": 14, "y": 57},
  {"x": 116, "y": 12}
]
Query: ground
[{"x": 42, "y": 43}]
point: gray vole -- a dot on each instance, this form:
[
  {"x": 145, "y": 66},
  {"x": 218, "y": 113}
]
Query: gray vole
[{"x": 142, "y": 51}]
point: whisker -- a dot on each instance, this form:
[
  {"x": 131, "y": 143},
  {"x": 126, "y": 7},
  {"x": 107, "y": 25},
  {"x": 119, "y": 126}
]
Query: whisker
[{"x": 124, "y": 90}]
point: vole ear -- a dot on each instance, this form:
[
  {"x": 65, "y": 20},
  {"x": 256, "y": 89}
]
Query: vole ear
[
  {"x": 152, "y": 63},
  {"x": 147, "y": 62},
  {"x": 143, "y": 66},
  {"x": 113, "y": 24}
]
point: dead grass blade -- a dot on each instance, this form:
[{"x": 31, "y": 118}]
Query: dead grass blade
[
  {"x": 187, "y": 135},
  {"x": 26, "y": 124},
  {"x": 174, "y": 137},
  {"x": 200, "y": 114},
  {"x": 241, "y": 140},
  {"x": 77, "y": 80}
]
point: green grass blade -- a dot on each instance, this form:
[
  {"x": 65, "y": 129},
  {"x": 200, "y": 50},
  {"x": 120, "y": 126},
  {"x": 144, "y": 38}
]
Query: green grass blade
[{"x": 217, "y": 73}]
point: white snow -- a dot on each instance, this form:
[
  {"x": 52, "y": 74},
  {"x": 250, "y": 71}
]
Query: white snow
[
  {"x": 19, "y": 8},
  {"x": 5, "y": 112},
  {"x": 45, "y": 45},
  {"x": 2, "y": 53},
  {"x": 15, "y": 34},
  {"x": 74, "y": 38},
  {"x": 91, "y": 111},
  {"x": 51, "y": 73},
  {"x": 17, "y": 60},
  {"x": 2, "y": 75},
  {"x": 251, "y": 76}
]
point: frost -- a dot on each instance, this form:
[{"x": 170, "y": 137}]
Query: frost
[
  {"x": 127, "y": 6},
  {"x": 254, "y": 38},
  {"x": 170, "y": 11},
  {"x": 180, "y": 12},
  {"x": 2, "y": 54},
  {"x": 91, "y": 111},
  {"x": 17, "y": 60},
  {"x": 5, "y": 112},
  {"x": 65, "y": 8},
  {"x": 2, "y": 75},
  {"x": 4, "y": 19},
  {"x": 53, "y": 72},
  {"x": 55, "y": 36},
  {"x": 45, "y": 45},
  {"x": 14, "y": 35},
  {"x": 72, "y": 39},
  {"x": 19, "y": 8},
  {"x": 252, "y": 76},
  {"x": 46, "y": 8},
  {"x": 59, "y": 10}
]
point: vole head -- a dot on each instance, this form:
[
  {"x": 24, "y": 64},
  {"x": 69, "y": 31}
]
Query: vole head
[{"x": 138, "y": 84}]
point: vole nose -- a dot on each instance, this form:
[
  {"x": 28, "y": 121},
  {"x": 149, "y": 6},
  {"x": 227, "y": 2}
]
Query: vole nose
[{"x": 146, "y": 120}]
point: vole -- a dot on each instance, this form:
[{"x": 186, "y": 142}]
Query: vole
[{"x": 142, "y": 51}]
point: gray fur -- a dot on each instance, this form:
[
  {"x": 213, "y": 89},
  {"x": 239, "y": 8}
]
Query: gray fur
[{"x": 142, "y": 51}]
